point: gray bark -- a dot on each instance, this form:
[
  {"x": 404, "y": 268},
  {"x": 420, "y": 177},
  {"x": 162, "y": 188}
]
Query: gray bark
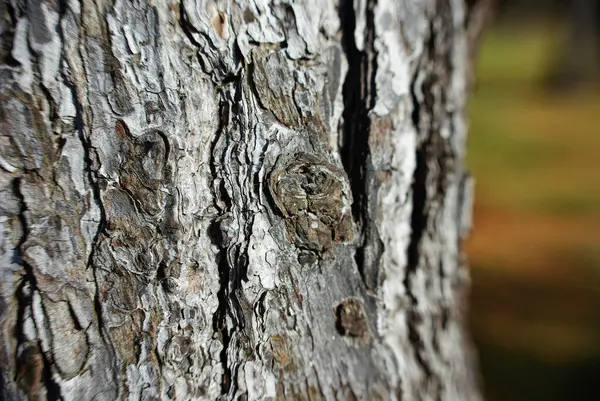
[{"x": 233, "y": 200}]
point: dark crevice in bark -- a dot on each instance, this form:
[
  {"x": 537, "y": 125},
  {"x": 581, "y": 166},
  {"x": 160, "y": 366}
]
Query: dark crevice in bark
[
  {"x": 52, "y": 388},
  {"x": 414, "y": 320},
  {"x": 220, "y": 319},
  {"x": 434, "y": 157},
  {"x": 355, "y": 113},
  {"x": 7, "y": 36},
  {"x": 433, "y": 166},
  {"x": 186, "y": 25},
  {"x": 28, "y": 279},
  {"x": 24, "y": 294},
  {"x": 429, "y": 180},
  {"x": 419, "y": 222},
  {"x": 91, "y": 176},
  {"x": 418, "y": 219},
  {"x": 231, "y": 259},
  {"x": 422, "y": 112},
  {"x": 239, "y": 262},
  {"x": 359, "y": 99},
  {"x": 220, "y": 315},
  {"x": 233, "y": 244},
  {"x": 216, "y": 235}
]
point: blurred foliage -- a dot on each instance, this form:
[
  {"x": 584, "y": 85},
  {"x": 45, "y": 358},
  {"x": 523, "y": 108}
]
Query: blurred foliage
[{"x": 535, "y": 248}]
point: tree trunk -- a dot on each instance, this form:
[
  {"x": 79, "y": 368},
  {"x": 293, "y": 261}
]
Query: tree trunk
[
  {"x": 579, "y": 59},
  {"x": 233, "y": 200}
]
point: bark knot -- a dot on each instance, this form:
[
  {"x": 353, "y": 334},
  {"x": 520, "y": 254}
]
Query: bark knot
[
  {"x": 351, "y": 321},
  {"x": 314, "y": 199}
]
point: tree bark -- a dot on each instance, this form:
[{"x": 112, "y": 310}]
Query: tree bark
[{"x": 233, "y": 200}]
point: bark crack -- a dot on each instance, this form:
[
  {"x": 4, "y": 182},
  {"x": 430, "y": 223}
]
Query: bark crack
[
  {"x": 232, "y": 228},
  {"x": 359, "y": 93},
  {"x": 231, "y": 259},
  {"x": 220, "y": 315},
  {"x": 9, "y": 17},
  {"x": 92, "y": 178},
  {"x": 30, "y": 356},
  {"x": 434, "y": 164}
]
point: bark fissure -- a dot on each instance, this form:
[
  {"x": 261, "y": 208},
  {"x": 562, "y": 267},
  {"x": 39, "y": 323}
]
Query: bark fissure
[
  {"x": 359, "y": 93},
  {"x": 232, "y": 228},
  {"x": 220, "y": 315},
  {"x": 420, "y": 219},
  {"x": 230, "y": 262},
  {"x": 27, "y": 285},
  {"x": 31, "y": 360},
  {"x": 29, "y": 277},
  {"x": 9, "y": 16},
  {"x": 186, "y": 26},
  {"x": 96, "y": 196},
  {"x": 53, "y": 392},
  {"x": 434, "y": 166},
  {"x": 80, "y": 97}
]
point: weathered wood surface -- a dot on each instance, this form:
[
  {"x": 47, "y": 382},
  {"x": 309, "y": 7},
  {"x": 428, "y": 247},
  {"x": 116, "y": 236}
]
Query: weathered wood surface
[{"x": 233, "y": 200}]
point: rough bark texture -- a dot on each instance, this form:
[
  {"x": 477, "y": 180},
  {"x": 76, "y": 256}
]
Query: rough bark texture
[{"x": 233, "y": 200}]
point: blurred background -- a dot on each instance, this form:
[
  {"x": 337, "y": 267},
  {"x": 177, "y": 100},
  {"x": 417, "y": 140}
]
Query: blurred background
[{"x": 534, "y": 150}]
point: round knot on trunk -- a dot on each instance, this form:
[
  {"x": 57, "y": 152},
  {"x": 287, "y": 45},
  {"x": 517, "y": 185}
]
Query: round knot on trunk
[{"x": 314, "y": 199}]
